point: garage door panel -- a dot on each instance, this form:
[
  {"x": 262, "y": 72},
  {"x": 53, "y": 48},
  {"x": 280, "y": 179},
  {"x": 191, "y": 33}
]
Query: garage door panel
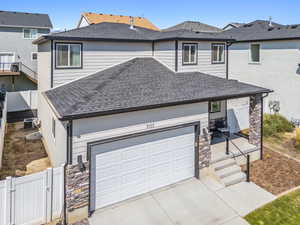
[
  {"x": 109, "y": 171},
  {"x": 141, "y": 164}
]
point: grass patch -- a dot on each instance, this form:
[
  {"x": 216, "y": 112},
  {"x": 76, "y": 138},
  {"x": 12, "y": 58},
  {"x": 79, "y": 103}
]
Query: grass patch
[
  {"x": 282, "y": 211},
  {"x": 276, "y": 123}
]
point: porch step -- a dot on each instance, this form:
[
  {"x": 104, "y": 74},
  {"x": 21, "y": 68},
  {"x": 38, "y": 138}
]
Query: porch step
[
  {"x": 228, "y": 171},
  {"x": 220, "y": 157},
  {"x": 234, "y": 179},
  {"x": 224, "y": 164}
]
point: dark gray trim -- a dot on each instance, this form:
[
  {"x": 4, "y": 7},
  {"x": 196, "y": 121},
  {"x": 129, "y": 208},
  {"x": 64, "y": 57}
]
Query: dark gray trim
[
  {"x": 70, "y": 142},
  {"x": 51, "y": 71},
  {"x": 109, "y": 140},
  {"x": 269, "y": 39},
  {"x": 262, "y": 128},
  {"x": 210, "y": 111},
  {"x": 176, "y": 55},
  {"x": 153, "y": 48},
  {"x": 197, "y": 136},
  {"x": 182, "y": 54},
  {"x": 94, "y": 114},
  {"x": 211, "y": 49},
  {"x": 48, "y": 38},
  {"x": 72, "y": 67}
]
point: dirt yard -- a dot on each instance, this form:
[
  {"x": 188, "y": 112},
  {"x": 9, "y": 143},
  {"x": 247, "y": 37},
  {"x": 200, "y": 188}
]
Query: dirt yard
[
  {"x": 18, "y": 153},
  {"x": 284, "y": 143},
  {"x": 276, "y": 173}
]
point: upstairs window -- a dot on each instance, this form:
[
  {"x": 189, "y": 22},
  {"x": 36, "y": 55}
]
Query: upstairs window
[
  {"x": 30, "y": 33},
  {"x": 68, "y": 55},
  {"x": 218, "y": 53},
  {"x": 254, "y": 53},
  {"x": 189, "y": 55}
]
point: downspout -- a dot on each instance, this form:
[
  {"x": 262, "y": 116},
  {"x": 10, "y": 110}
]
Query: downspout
[
  {"x": 51, "y": 70},
  {"x": 228, "y": 44},
  {"x": 176, "y": 55},
  {"x": 69, "y": 162},
  {"x": 153, "y": 48},
  {"x": 262, "y": 125}
]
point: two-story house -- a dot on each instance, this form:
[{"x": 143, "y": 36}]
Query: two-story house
[
  {"x": 268, "y": 54},
  {"x": 18, "y": 56},
  {"x": 128, "y": 109}
]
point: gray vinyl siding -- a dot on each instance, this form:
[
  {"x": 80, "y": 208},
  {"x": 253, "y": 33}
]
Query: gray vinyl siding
[
  {"x": 11, "y": 39},
  {"x": 204, "y": 60},
  {"x": 97, "y": 56},
  {"x": 164, "y": 51},
  {"x": 97, "y": 128}
]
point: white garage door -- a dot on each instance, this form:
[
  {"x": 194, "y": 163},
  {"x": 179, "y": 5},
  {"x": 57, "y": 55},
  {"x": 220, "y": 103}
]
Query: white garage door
[{"x": 129, "y": 167}]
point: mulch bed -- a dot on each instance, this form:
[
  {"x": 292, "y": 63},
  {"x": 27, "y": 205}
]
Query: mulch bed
[{"x": 276, "y": 173}]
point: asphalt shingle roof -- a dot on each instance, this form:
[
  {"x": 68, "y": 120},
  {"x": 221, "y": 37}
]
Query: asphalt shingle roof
[
  {"x": 137, "y": 84},
  {"x": 260, "y": 30},
  {"x": 118, "y": 31},
  {"x": 21, "y": 19},
  {"x": 193, "y": 26}
]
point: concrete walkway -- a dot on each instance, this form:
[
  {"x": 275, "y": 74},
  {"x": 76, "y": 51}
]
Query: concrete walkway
[{"x": 191, "y": 202}]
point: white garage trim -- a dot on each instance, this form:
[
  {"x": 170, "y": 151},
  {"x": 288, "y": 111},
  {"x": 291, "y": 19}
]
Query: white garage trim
[{"x": 93, "y": 155}]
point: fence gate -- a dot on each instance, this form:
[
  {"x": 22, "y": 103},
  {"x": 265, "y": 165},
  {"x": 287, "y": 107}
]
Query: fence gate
[{"x": 36, "y": 198}]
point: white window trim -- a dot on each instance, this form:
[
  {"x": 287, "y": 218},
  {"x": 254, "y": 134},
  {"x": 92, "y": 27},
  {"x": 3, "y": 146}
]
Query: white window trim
[
  {"x": 31, "y": 38},
  {"x": 196, "y": 54},
  {"x": 32, "y": 56},
  {"x": 69, "y": 56},
  {"x": 249, "y": 53},
  {"x": 224, "y": 49}
]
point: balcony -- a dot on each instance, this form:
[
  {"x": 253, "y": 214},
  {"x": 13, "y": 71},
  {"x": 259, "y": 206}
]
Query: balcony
[{"x": 9, "y": 69}]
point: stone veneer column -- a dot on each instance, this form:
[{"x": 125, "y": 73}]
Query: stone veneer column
[
  {"x": 77, "y": 193},
  {"x": 255, "y": 120},
  {"x": 204, "y": 151}
]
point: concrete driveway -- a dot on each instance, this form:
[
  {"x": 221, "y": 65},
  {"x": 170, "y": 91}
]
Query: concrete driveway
[{"x": 190, "y": 202}]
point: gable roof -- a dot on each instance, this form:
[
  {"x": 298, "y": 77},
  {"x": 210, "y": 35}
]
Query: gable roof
[
  {"x": 261, "y": 30},
  {"x": 22, "y": 19},
  {"x": 193, "y": 26},
  {"x": 140, "y": 83},
  {"x": 94, "y": 18},
  {"x": 123, "y": 32},
  {"x": 234, "y": 24}
]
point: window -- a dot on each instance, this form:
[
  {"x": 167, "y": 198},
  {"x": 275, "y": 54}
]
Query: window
[
  {"x": 218, "y": 53},
  {"x": 53, "y": 127},
  {"x": 68, "y": 55},
  {"x": 189, "y": 56},
  {"x": 215, "y": 107},
  {"x": 255, "y": 53},
  {"x": 34, "y": 56},
  {"x": 30, "y": 33}
]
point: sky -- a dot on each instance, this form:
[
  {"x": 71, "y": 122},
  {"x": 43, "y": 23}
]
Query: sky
[{"x": 163, "y": 13}]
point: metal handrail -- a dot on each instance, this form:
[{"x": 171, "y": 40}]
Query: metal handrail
[{"x": 247, "y": 156}]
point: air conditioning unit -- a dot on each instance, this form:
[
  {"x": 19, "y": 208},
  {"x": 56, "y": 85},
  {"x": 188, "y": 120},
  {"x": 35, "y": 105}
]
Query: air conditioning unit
[{"x": 28, "y": 123}]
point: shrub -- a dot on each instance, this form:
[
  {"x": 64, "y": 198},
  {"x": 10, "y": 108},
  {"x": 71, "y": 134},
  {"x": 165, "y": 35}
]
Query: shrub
[
  {"x": 297, "y": 138},
  {"x": 276, "y": 123}
]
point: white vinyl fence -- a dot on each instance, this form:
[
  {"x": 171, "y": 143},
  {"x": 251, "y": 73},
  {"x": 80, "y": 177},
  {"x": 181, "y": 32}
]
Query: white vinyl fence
[
  {"x": 2, "y": 130},
  {"x": 32, "y": 199},
  {"x": 238, "y": 114},
  {"x": 21, "y": 101}
]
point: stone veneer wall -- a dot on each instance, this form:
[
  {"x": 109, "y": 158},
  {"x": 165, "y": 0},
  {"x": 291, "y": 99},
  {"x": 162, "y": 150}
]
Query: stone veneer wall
[
  {"x": 204, "y": 151},
  {"x": 255, "y": 120},
  {"x": 77, "y": 191}
]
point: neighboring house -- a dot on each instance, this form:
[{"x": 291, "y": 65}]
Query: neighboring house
[
  {"x": 88, "y": 18},
  {"x": 18, "y": 56},
  {"x": 267, "y": 53},
  {"x": 193, "y": 26},
  {"x": 232, "y": 25},
  {"x": 129, "y": 109}
]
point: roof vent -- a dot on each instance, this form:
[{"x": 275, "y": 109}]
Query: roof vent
[
  {"x": 270, "y": 28},
  {"x": 270, "y": 21},
  {"x": 294, "y": 26},
  {"x": 131, "y": 23}
]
